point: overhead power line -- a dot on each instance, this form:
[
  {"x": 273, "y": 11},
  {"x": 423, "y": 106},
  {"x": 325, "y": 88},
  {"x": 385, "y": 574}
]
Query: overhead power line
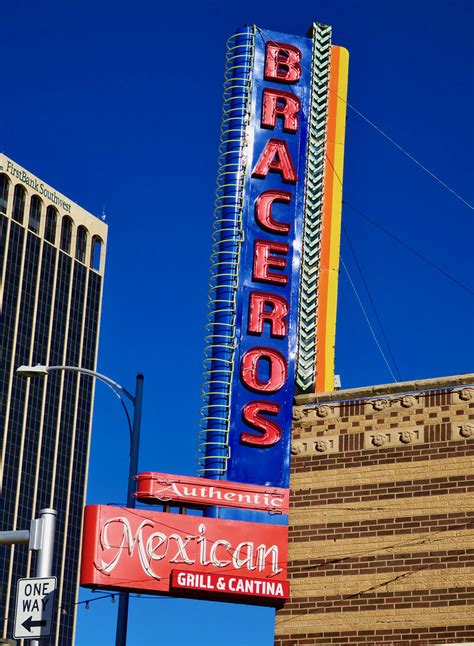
[
  {"x": 368, "y": 322},
  {"x": 410, "y": 156},
  {"x": 405, "y": 152},
  {"x": 413, "y": 251},
  {"x": 391, "y": 140},
  {"x": 404, "y": 244},
  {"x": 372, "y": 302}
]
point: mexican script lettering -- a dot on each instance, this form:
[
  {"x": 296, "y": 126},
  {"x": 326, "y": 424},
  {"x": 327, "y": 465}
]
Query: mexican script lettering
[{"x": 139, "y": 549}]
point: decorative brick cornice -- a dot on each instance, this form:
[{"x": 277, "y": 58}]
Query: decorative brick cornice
[
  {"x": 408, "y": 387},
  {"x": 381, "y": 531}
]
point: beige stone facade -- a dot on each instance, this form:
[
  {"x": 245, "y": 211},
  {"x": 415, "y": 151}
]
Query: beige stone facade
[
  {"x": 382, "y": 516},
  {"x": 52, "y": 263},
  {"x": 34, "y": 186}
]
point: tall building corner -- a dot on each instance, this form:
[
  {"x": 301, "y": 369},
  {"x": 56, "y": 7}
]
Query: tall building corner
[{"x": 52, "y": 260}]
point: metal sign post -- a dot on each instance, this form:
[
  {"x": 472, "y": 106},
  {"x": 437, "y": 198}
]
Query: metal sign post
[
  {"x": 44, "y": 528},
  {"x": 35, "y": 596}
]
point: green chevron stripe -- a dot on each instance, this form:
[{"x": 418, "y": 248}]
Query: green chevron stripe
[{"x": 313, "y": 208}]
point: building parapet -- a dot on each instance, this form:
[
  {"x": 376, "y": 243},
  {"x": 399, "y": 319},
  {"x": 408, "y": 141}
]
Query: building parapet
[{"x": 367, "y": 392}]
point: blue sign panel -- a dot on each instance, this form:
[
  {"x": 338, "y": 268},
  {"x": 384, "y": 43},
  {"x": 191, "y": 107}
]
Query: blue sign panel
[{"x": 262, "y": 384}]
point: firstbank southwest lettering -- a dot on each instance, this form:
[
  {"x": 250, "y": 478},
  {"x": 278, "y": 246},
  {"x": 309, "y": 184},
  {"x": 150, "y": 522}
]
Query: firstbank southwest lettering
[
  {"x": 270, "y": 258},
  {"x": 39, "y": 187}
]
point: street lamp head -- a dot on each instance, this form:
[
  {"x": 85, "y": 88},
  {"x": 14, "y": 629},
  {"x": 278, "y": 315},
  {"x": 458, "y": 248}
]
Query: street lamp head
[{"x": 32, "y": 371}]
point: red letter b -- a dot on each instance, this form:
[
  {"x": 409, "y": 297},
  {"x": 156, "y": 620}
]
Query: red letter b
[{"x": 282, "y": 63}]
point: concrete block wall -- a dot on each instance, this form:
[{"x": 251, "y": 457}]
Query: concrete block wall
[{"x": 381, "y": 540}]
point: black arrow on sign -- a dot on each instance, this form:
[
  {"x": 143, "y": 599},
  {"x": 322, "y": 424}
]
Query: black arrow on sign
[{"x": 29, "y": 624}]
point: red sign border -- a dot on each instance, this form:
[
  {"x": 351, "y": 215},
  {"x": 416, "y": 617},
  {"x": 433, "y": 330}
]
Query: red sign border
[
  {"x": 146, "y": 493},
  {"x": 174, "y": 526}
]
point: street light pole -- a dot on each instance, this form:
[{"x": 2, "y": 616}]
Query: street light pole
[
  {"x": 122, "y": 615},
  {"x": 134, "y": 427}
]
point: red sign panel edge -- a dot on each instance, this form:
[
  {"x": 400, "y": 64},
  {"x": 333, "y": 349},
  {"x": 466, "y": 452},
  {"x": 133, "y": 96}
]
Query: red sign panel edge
[
  {"x": 200, "y": 492},
  {"x": 137, "y": 549}
]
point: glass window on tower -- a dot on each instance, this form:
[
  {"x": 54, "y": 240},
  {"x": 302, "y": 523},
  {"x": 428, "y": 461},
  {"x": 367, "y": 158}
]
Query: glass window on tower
[
  {"x": 81, "y": 243},
  {"x": 4, "y": 184},
  {"x": 66, "y": 234},
  {"x": 50, "y": 225},
  {"x": 35, "y": 214},
  {"x": 19, "y": 199},
  {"x": 96, "y": 251}
]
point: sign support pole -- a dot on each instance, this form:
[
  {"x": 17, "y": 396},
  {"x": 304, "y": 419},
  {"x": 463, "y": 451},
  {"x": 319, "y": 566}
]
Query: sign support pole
[
  {"x": 19, "y": 537},
  {"x": 42, "y": 532},
  {"x": 122, "y": 616},
  {"x": 40, "y": 538}
]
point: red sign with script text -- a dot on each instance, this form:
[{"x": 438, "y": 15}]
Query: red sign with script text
[
  {"x": 164, "y": 487},
  {"x": 136, "y": 549}
]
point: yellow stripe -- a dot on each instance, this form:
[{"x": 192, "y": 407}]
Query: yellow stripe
[
  {"x": 408, "y": 617},
  {"x": 427, "y": 579},
  {"x": 404, "y": 544},
  {"x": 380, "y": 473},
  {"x": 371, "y": 510},
  {"x": 334, "y": 252}
]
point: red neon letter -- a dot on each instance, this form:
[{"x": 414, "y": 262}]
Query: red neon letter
[
  {"x": 262, "y": 261},
  {"x": 282, "y": 63},
  {"x": 263, "y": 210},
  {"x": 276, "y": 103},
  {"x": 249, "y": 369},
  {"x": 275, "y": 157},
  {"x": 258, "y": 315},
  {"x": 271, "y": 430}
]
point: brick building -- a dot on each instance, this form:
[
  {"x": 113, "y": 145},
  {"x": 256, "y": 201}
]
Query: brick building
[{"x": 382, "y": 516}]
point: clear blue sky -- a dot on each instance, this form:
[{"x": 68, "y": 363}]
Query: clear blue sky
[{"x": 118, "y": 104}]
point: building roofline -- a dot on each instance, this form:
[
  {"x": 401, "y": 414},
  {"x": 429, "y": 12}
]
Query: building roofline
[
  {"x": 49, "y": 194},
  {"x": 364, "y": 392}
]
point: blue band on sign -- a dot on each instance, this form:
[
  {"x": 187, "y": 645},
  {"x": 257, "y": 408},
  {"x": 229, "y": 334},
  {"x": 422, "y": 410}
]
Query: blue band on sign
[
  {"x": 227, "y": 240},
  {"x": 263, "y": 374}
]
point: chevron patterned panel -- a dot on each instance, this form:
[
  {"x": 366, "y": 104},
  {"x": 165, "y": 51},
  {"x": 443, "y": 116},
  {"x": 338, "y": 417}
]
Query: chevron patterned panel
[{"x": 313, "y": 209}]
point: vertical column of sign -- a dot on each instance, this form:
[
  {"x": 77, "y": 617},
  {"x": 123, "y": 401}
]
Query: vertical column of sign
[
  {"x": 313, "y": 210},
  {"x": 331, "y": 220},
  {"x": 227, "y": 237},
  {"x": 267, "y": 301}
]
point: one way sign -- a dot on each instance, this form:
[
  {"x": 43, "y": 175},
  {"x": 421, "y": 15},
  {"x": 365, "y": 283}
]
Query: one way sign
[{"x": 34, "y": 607}]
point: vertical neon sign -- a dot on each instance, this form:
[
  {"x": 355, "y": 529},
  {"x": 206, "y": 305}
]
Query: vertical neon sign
[
  {"x": 267, "y": 277},
  {"x": 267, "y": 308},
  {"x": 271, "y": 194}
]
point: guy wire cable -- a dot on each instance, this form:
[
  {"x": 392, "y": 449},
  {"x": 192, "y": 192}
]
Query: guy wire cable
[{"x": 368, "y": 322}]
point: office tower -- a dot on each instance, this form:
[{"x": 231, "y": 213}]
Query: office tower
[{"x": 52, "y": 255}]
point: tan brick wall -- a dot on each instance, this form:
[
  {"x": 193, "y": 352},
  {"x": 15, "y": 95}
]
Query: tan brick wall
[{"x": 381, "y": 541}]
